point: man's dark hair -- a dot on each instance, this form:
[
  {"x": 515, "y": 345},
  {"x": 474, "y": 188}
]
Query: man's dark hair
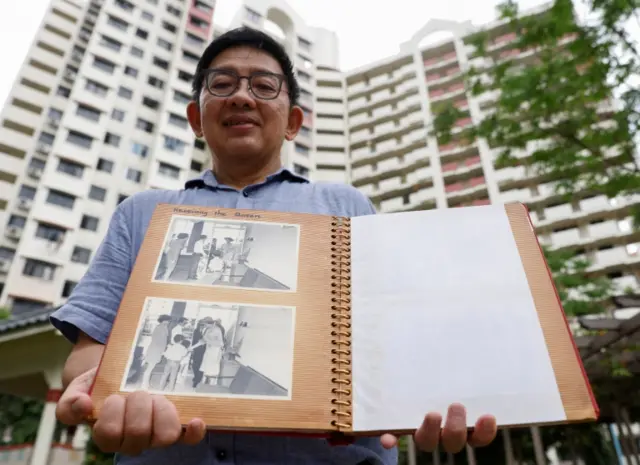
[{"x": 247, "y": 37}]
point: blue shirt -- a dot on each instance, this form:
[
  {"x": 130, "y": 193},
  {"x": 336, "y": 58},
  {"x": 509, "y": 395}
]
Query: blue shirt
[{"x": 94, "y": 302}]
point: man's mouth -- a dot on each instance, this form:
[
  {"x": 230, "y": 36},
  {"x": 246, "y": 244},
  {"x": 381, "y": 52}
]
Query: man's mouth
[{"x": 240, "y": 122}]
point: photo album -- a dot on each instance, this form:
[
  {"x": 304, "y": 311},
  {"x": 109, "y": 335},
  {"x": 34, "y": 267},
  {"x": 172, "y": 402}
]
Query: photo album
[{"x": 287, "y": 322}]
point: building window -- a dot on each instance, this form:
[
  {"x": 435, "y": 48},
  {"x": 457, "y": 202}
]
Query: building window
[
  {"x": 134, "y": 175},
  {"x": 50, "y": 233},
  {"x": 190, "y": 57},
  {"x": 181, "y": 97},
  {"x": 302, "y": 149},
  {"x": 168, "y": 170},
  {"x": 112, "y": 139},
  {"x": 63, "y": 92},
  {"x": 144, "y": 125},
  {"x": 104, "y": 165},
  {"x": 89, "y": 223},
  {"x": 117, "y": 115},
  {"x": 7, "y": 254},
  {"x": 96, "y": 88},
  {"x": 184, "y": 76},
  {"x": 199, "y": 144},
  {"x": 117, "y": 23},
  {"x": 122, "y": 198},
  {"x": 110, "y": 43},
  {"x": 79, "y": 139},
  {"x": 305, "y": 131},
  {"x": 87, "y": 112},
  {"x": 301, "y": 170},
  {"x": 39, "y": 269},
  {"x": 81, "y": 255},
  {"x": 197, "y": 22},
  {"x": 61, "y": 199},
  {"x": 150, "y": 103},
  {"x": 174, "y": 145},
  {"x": 169, "y": 27},
  {"x": 155, "y": 82},
  {"x": 142, "y": 34},
  {"x": 104, "y": 65},
  {"x": 17, "y": 221},
  {"x": 27, "y": 192},
  {"x": 305, "y": 77},
  {"x": 68, "y": 288},
  {"x": 124, "y": 92},
  {"x": 147, "y": 16},
  {"x": 139, "y": 149},
  {"x": 97, "y": 193},
  {"x": 124, "y": 4},
  {"x": 179, "y": 121},
  {"x": 196, "y": 166},
  {"x": 172, "y": 10},
  {"x": 160, "y": 63},
  {"x": 131, "y": 71},
  {"x": 164, "y": 44},
  {"x": 137, "y": 52},
  {"x": 194, "y": 40},
  {"x": 70, "y": 167}
]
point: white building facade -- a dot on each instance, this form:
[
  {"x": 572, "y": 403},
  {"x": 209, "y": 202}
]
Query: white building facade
[{"x": 97, "y": 113}]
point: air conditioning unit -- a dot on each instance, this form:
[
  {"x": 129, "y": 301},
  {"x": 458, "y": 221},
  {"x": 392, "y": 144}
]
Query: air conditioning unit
[
  {"x": 34, "y": 172},
  {"x": 24, "y": 204},
  {"x": 13, "y": 232},
  {"x": 5, "y": 264}
]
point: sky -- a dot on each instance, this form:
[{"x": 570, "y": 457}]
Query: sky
[{"x": 356, "y": 23}]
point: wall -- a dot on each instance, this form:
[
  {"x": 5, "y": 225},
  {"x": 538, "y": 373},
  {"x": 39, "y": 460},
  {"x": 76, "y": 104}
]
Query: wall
[
  {"x": 275, "y": 252},
  {"x": 267, "y": 342}
]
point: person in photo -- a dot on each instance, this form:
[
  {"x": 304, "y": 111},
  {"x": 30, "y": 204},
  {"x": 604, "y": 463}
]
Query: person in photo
[
  {"x": 173, "y": 251},
  {"x": 198, "y": 258},
  {"x": 155, "y": 349},
  {"x": 175, "y": 355},
  {"x": 213, "y": 338},
  {"x": 245, "y": 105}
]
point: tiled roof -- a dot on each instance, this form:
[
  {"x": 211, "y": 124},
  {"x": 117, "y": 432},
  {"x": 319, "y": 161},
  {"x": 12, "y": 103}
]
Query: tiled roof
[{"x": 25, "y": 319}]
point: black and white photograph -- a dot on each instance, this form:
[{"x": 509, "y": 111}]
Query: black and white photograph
[
  {"x": 212, "y": 349},
  {"x": 216, "y": 252}
]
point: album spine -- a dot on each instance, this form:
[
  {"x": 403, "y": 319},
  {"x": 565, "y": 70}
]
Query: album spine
[{"x": 341, "y": 324}]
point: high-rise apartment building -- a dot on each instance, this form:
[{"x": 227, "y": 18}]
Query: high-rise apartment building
[{"x": 97, "y": 113}]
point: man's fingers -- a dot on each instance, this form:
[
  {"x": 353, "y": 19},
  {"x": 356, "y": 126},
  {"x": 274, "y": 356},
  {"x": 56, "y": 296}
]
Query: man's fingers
[
  {"x": 484, "y": 432},
  {"x": 109, "y": 427},
  {"x": 138, "y": 423},
  {"x": 75, "y": 404},
  {"x": 166, "y": 424},
  {"x": 194, "y": 432},
  {"x": 454, "y": 434},
  {"x": 427, "y": 436}
]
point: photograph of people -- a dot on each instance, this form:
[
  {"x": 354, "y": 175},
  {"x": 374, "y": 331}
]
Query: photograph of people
[
  {"x": 213, "y": 252},
  {"x": 204, "y": 348}
]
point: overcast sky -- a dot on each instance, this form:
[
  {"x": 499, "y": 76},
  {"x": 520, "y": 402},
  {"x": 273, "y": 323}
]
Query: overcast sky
[{"x": 365, "y": 33}]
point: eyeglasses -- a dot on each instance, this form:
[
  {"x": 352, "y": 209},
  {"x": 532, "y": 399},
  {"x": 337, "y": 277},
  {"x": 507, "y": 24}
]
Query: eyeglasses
[{"x": 263, "y": 85}]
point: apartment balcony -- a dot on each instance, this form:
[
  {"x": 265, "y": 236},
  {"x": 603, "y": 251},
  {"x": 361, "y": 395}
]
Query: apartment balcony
[
  {"x": 34, "y": 288},
  {"x": 411, "y": 104},
  {"x": 455, "y": 152},
  {"x": 53, "y": 214},
  {"x": 76, "y": 186},
  {"x": 616, "y": 257},
  {"x": 423, "y": 199},
  {"x": 442, "y": 61},
  {"x": 384, "y": 96},
  {"x": 444, "y": 94},
  {"x": 444, "y": 77},
  {"x": 362, "y": 89},
  {"x": 462, "y": 170},
  {"x": 626, "y": 282},
  {"x": 411, "y": 142}
]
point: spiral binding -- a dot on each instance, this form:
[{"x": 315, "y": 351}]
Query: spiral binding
[{"x": 341, "y": 322}]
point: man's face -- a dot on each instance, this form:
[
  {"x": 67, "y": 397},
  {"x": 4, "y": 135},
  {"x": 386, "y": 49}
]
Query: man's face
[{"x": 243, "y": 125}]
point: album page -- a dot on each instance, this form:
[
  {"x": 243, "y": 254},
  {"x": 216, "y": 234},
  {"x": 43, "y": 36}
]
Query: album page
[
  {"x": 227, "y": 313},
  {"x": 457, "y": 305}
]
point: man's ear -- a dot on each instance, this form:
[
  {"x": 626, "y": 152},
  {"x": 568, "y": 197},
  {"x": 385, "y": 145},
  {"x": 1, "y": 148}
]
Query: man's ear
[
  {"x": 296, "y": 116},
  {"x": 193, "y": 115}
]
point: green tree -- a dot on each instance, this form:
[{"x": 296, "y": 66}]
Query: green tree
[
  {"x": 22, "y": 416},
  {"x": 5, "y": 313},
  {"x": 561, "y": 97}
]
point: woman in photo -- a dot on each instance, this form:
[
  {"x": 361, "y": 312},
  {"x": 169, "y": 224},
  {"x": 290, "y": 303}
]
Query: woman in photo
[{"x": 213, "y": 340}]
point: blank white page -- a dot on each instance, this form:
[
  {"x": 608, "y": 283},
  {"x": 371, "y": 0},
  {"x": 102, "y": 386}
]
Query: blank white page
[{"x": 442, "y": 313}]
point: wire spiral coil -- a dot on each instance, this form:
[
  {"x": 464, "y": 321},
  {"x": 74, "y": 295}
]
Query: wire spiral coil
[{"x": 341, "y": 322}]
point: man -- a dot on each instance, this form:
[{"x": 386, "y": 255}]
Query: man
[
  {"x": 245, "y": 106},
  {"x": 156, "y": 348},
  {"x": 196, "y": 258},
  {"x": 173, "y": 251}
]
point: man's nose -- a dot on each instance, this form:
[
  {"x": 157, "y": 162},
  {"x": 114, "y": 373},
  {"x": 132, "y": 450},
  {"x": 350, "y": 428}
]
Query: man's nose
[{"x": 242, "y": 96}]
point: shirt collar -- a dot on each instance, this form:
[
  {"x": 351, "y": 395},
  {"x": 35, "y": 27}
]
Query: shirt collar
[{"x": 208, "y": 179}]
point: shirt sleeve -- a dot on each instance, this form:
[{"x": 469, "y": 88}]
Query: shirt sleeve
[
  {"x": 361, "y": 204},
  {"x": 94, "y": 302}
]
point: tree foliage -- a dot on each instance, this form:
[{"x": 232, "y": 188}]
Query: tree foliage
[
  {"x": 550, "y": 111},
  {"x": 20, "y": 416}
]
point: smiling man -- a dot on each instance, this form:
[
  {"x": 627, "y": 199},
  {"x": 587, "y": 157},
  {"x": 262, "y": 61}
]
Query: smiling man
[{"x": 244, "y": 106}]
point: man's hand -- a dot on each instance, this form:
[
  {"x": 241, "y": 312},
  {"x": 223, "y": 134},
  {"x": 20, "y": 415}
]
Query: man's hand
[
  {"x": 453, "y": 437},
  {"x": 128, "y": 425}
]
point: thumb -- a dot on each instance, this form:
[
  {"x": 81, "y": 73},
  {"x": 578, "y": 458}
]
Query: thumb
[{"x": 75, "y": 404}]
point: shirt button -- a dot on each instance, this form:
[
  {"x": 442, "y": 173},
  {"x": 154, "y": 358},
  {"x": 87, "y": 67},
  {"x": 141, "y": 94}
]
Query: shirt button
[{"x": 221, "y": 454}]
